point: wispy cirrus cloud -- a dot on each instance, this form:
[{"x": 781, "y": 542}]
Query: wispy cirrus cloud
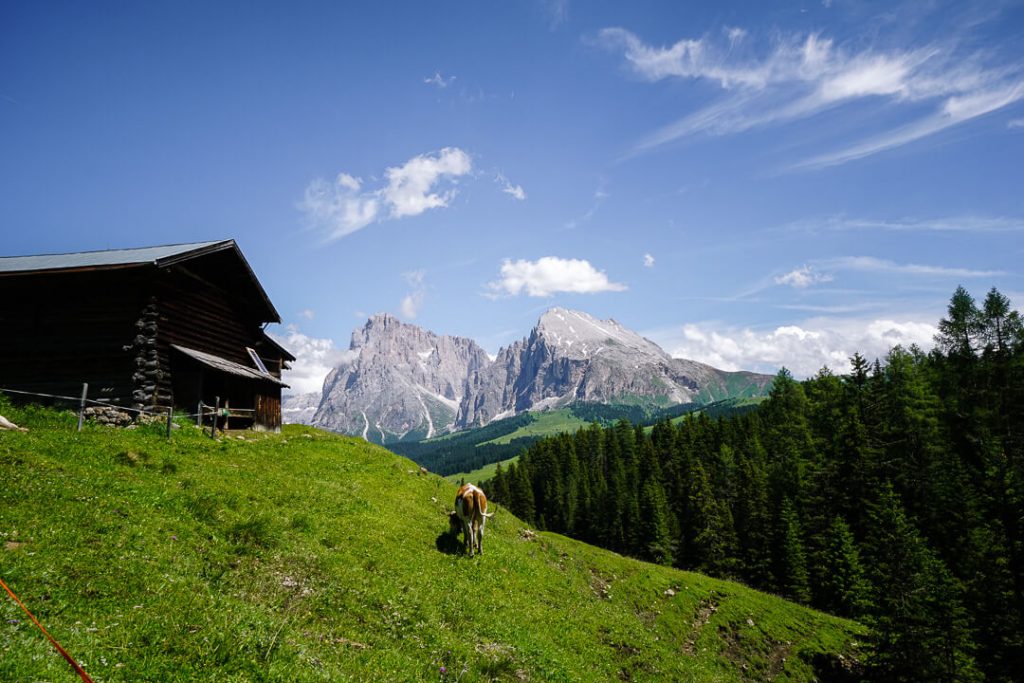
[
  {"x": 821, "y": 271},
  {"x": 421, "y": 183},
  {"x": 803, "y": 75},
  {"x": 439, "y": 81},
  {"x": 412, "y": 303},
  {"x": 550, "y": 275},
  {"x": 871, "y": 264},
  {"x": 967, "y": 223},
  {"x": 509, "y": 188}
]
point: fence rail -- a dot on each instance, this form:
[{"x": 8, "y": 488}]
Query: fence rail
[{"x": 204, "y": 411}]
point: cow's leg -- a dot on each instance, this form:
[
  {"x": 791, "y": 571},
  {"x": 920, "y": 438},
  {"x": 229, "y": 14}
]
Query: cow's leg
[
  {"x": 467, "y": 536},
  {"x": 480, "y": 531}
]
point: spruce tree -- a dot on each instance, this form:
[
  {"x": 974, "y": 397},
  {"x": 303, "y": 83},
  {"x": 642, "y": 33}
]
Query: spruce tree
[
  {"x": 842, "y": 586},
  {"x": 920, "y": 626},
  {"x": 791, "y": 559}
]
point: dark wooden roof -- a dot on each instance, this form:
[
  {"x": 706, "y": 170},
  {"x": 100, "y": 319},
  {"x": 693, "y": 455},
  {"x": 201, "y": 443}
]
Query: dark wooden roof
[{"x": 160, "y": 257}]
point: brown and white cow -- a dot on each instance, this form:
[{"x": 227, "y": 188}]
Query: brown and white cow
[{"x": 470, "y": 516}]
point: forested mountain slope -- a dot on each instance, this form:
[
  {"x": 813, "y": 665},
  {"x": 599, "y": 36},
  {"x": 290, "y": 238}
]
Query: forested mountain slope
[{"x": 893, "y": 494}]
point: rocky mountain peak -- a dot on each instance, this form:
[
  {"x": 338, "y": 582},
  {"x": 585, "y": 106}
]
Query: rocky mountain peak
[
  {"x": 404, "y": 382},
  {"x": 581, "y": 335},
  {"x": 401, "y": 381}
]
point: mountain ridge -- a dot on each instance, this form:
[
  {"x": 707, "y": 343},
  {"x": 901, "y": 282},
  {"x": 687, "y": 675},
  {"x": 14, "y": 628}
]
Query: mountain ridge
[{"x": 405, "y": 383}]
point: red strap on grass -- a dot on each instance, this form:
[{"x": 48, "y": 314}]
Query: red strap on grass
[{"x": 78, "y": 669}]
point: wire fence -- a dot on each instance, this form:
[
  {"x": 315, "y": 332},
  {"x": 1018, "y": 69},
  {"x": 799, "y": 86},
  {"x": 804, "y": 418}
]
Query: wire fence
[{"x": 216, "y": 415}]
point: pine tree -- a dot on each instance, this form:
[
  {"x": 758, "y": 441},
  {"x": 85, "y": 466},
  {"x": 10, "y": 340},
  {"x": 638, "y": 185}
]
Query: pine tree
[
  {"x": 919, "y": 622},
  {"x": 711, "y": 537},
  {"x": 842, "y": 587},
  {"x": 958, "y": 334},
  {"x": 791, "y": 560},
  {"x": 656, "y": 538}
]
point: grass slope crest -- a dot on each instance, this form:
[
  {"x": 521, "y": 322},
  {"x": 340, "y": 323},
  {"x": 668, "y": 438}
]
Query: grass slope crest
[{"x": 308, "y": 556}]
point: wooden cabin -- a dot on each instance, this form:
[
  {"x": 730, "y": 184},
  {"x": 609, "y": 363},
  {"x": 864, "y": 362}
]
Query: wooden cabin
[{"x": 146, "y": 328}]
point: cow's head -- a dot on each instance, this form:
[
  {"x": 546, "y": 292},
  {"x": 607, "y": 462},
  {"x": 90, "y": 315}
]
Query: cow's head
[{"x": 454, "y": 522}]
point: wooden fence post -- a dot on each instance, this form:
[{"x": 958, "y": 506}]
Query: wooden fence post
[
  {"x": 170, "y": 416},
  {"x": 216, "y": 412},
  {"x": 199, "y": 415},
  {"x": 81, "y": 405}
]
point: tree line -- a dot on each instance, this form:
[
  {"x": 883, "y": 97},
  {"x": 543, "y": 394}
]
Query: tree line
[{"x": 893, "y": 494}]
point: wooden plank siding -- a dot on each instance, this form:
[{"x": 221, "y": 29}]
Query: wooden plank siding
[
  {"x": 114, "y": 328},
  {"x": 57, "y": 331}
]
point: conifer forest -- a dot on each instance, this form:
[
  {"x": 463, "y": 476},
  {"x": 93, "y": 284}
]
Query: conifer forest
[{"x": 892, "y": 494}]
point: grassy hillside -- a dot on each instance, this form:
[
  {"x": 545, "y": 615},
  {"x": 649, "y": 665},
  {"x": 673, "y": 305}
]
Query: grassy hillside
[
  {"x": 544, "y": 423},
  {"x": 309, "y": 556},
  {"x": 482, "y": 474}
]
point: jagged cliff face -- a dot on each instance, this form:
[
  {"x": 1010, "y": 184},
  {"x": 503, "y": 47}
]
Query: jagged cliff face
[
  {"x": 404, "y": 382},
  {"x": 401, "y": 382},
  {"x": 571, "y": 356}
]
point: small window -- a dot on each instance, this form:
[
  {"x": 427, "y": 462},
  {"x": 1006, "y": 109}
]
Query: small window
[{"x": 257, "y": 360}]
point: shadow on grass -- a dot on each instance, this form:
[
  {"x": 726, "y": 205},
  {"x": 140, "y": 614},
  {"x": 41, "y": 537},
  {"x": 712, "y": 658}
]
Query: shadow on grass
[{"x": 448, "y": 542}]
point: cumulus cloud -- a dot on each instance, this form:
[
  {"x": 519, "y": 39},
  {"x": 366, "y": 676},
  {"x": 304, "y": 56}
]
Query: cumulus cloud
[
  {"x": 344, "y": 206},
  {"x": 413, "y": 301},
  {"x": 801, "y": 75},
  {"x": 802, "y": 277},
  {"x": 804, "y": 348},
  {"x": 648, "y": 261},
  {"x": 549, "y": 275},
  {"x": 314, "y": 358}
]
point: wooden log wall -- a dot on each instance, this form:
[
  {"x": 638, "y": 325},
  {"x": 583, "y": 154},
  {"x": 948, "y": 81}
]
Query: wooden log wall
[
  {"x": 59, "y": 330},
  {"x": 113, "y": 328}
]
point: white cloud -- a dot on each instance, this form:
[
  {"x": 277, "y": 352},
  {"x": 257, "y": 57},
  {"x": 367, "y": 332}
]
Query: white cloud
[
  {"x": 877, "y": 265},
  {"x": 507, "y": 187},
  {"x": 735, "y": 34},
  {"x": 648, "y": 261},
  {"x": 314, "y": 358},
  {"x": 549, "y": 275},
  {"x": 409, "y": 190},
  {"x": 802, "y": 277},
  {"x": 1015, "y": 123},
  {"x": 439, "y": 81},
  {"x": 941, "y": 224},
  {"x": 804, "y": 348},
  {"x": 557, "y": 11},
  {"x": 413, "y": 301},
  {"x": 339, "y": 209},
  {"x": 802, "y": 75},
  {"x": 307, "y": 313},
  {"x": 342, "y": 207}
]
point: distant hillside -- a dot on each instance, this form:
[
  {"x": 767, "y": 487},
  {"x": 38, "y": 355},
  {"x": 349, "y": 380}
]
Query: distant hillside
[
  {"x": 473, "y": 449},
  {"x": 306, "y": 556}
]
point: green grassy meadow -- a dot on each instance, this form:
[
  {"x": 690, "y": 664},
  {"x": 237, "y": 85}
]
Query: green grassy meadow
[
  {"x": 547, "y": 422},
  {"x": 307, "y": 556},
  {"x": 482, "y": 474}
]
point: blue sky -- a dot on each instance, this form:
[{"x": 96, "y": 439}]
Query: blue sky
[{"x": 748, "y": 184}]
